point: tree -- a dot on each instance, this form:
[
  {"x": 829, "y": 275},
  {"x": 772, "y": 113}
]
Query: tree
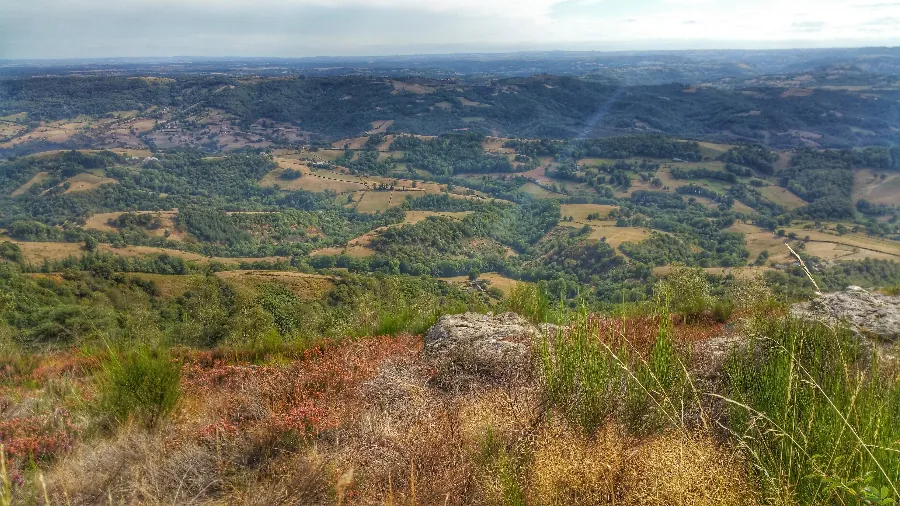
[{"x": 91, "y": 243}]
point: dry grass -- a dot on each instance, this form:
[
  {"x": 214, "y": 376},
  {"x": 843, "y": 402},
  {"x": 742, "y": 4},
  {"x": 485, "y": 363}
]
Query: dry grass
[
  {"x": 170, "y": 285},
  {"x": 870, "y": 186},
  {"x": 741, "y": 272},
  {"x": 417, "y": 89},
  {"x": 38, "y": 178},
  {"x": 305, "y": 286},
  {"x": 317, "y": 181},
  {"x": 100, "y": 221},
  {"x": 580, "y": 212},
  {"x": 36, "y": 252},
  {"x": 87, "y": 182},
  {"x": 782, "y": 197},
  {"x": 713, "y": 150},
  {"x": 498, "y": 281},
  {"x": 796, "y": 92},
  {"x": 363, "y": 422},
  {"x": 675, "y": 468},
  {"x": 614, "y": 235},
  {"x": 380, "y": 126},
  {"x": 570, "y": 467}
]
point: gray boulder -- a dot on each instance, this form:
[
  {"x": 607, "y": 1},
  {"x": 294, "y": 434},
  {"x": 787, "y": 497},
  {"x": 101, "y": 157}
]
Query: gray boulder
[
  {"x": 473, "y": 347},
  {"x": 869, "y": 314}
]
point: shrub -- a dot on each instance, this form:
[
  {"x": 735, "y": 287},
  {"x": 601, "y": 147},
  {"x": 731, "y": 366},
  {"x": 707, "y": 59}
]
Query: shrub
[
  {"x": 685, "y": 291},
  {"x": 141, "y": 384},
  {"x": 291, "y": 174}
]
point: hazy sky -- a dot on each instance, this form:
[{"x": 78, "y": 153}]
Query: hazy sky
[{"x": 100, "y": 28}]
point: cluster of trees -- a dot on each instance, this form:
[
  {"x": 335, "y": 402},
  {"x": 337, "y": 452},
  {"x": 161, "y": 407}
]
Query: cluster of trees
[
  {"x": 824, "y": 179},
  {"x": 704, "y": 173},
  {"x": 754, "y": 156},
  {"x": 450, "y": 154}
]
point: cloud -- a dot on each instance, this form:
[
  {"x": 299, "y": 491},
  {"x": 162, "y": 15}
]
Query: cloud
[
  {"x": 807, "y": 26},
  {"x": 95, "y": 28},
  {"x": 883, "y": 22},
  {"x": 882, "y": 5}
]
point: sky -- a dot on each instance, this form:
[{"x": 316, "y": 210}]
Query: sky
[{"x": 296, "y": 28}]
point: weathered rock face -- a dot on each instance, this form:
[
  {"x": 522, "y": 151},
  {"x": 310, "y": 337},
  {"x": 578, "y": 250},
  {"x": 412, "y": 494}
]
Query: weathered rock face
[
  {"x": 869, "y": 314},
  {"x": 480, "y": 347}
]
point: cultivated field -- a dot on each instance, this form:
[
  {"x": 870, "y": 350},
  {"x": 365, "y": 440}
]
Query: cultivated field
[{"x": 824, "y": 245}]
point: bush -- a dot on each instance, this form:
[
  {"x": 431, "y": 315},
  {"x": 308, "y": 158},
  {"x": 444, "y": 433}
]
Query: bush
[
  {"x": 291, "y": 174},
  {"x": 685, "y": 291},
  {"x": 143, "y": 384}
]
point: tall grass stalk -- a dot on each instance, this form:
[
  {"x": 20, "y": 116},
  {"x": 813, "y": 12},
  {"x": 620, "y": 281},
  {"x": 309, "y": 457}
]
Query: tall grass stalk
[
  {"x": 594, "y": 374},
  {"x": 816, "y": 414},
  {"x": 5, "y": 482}
]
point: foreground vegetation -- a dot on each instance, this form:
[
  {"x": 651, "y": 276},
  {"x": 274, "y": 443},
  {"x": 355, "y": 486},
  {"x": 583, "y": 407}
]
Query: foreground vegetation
[{"x": 251, "y": 406}]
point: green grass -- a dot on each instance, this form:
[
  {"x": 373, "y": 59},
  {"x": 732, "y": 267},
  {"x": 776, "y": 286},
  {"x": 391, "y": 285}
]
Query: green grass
[
  {"x": 593, "y": 374},
  {"x": 819, "y": 419}
]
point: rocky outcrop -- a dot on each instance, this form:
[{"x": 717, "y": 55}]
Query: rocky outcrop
[
  {"x": 473, "y": 347},
  {"x": 869, "y": 314}
]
